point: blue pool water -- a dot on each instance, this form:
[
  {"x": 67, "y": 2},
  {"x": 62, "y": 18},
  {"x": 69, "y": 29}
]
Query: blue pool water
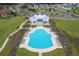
[{"x": 40, "y": 39}]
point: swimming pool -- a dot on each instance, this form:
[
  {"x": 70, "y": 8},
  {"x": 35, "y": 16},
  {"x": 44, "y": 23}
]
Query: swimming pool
[{"x": 40, "y": 39}]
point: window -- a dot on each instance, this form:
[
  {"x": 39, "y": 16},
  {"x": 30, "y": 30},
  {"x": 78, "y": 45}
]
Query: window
[{"x": 39, "y": 20}]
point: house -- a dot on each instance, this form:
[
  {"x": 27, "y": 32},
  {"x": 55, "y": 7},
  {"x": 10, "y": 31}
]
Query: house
[
  {"x": 39, "y": 18},
  {"x": 4, "y": 12}
]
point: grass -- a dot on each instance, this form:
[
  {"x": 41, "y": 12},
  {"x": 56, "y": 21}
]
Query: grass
[
  {"x": 56, "y": 52},
  {"x": 12, "y": 43},
  {"x": 6, "y": 50},
  {"x": 71, "y": 27},
  {"x": 7, "y": 26},
  {"x": 25, "y": 52},
  {"x": 10, "y": 26}
]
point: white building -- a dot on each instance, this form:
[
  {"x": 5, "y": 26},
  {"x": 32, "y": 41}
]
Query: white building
[{"x": 39, "y": 19}]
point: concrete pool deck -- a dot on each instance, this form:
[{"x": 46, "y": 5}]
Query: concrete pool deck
[{"x": 25, "y": 41}]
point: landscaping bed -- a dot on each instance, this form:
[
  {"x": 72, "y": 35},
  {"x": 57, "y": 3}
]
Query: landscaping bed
[{"x": 13, "y": 44}]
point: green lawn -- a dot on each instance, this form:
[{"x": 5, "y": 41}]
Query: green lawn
[
  {"x": 7, "y": 49},
  {"x": 25, "y": 52},
  {"x": 8, "y": 26},
  {"x": 71, "y": 27}
]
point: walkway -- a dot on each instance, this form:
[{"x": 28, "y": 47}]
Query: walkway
[{"x": 7, "y": 39}]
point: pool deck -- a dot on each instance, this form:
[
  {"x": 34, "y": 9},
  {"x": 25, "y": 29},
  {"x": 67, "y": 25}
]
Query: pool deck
[
  {"x": 39, "y": 23},
  {"x": 25, "y": 41}
]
